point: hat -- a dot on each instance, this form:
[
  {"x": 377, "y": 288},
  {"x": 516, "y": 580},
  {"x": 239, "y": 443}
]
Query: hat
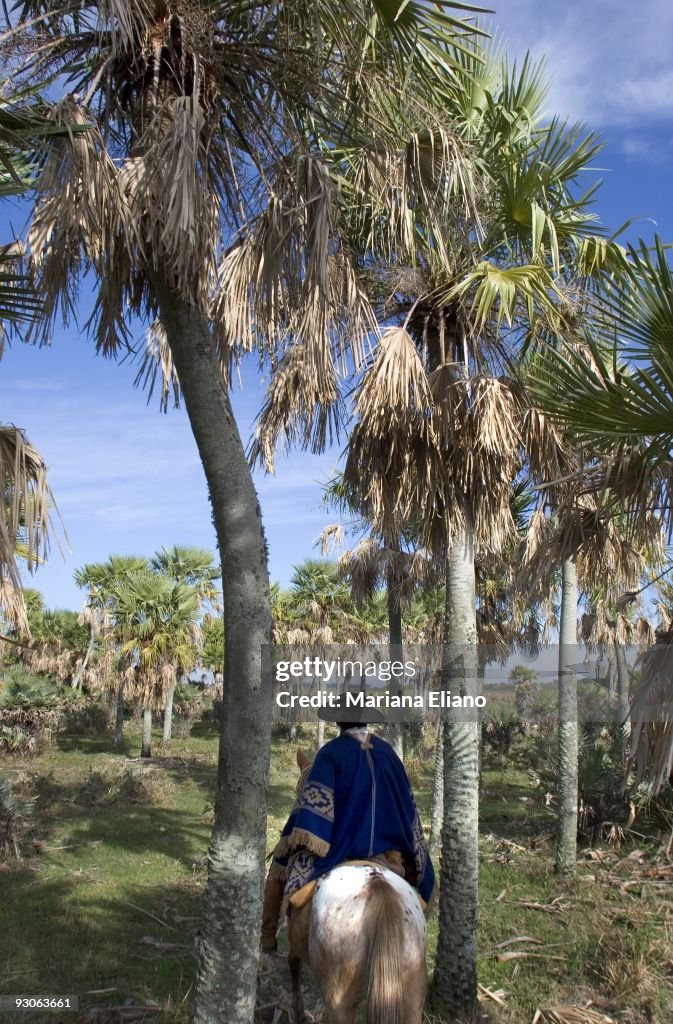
[{"x": 340, "y": 711}]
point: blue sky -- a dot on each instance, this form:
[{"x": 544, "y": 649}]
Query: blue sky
[{"x": 128, "y": 479}]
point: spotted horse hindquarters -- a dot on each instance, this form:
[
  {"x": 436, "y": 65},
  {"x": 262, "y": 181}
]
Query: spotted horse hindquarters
[{"x": 366, "y": 941}]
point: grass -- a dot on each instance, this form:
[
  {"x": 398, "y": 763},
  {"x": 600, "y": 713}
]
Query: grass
[{"x": 106, "y": 900}]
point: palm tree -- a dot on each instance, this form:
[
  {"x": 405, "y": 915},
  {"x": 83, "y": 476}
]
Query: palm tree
[
  {"x": 101, "y": 581},
  {"x": 622, "y": 412},
  {"x": 592, "y": 540},
  {"x": 196, "y": 116},
  {"x": 156, "y": 620},
  {"x": 195, "y": 568},
  {"x": 320, "y": 599},
  {"x": 443, "y": 430},
  {"x": 27, "y": 502},
  {"x": 373, "y": 564},
  {"x": 28, "y": 505}
]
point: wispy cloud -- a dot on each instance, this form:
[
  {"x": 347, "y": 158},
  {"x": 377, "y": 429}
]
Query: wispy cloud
[
  {"x": 640, "y": 149},
  {"x": 128, "y": 479},
  {"x": 610, "y": 59},
  {"x": 47, "y": 385}
]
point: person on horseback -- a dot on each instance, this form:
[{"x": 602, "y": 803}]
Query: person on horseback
[{"x": 355, "y": 803}]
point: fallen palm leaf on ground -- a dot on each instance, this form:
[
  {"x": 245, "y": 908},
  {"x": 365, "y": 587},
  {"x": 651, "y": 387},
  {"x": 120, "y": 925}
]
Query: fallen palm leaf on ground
[{"x": 570, "y": 1015}]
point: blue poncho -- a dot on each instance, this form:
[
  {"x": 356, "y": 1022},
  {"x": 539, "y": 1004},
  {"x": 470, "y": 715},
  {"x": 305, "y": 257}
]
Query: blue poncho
[{"x": 356, "y": 802}]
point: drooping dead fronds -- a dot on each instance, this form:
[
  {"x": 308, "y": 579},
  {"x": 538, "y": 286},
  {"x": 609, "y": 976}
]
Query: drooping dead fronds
[
  {"x": 371, "y": 565},
  {"x": 586, "y": 529},
  {"x": 12, "y": 604},
  {"x": 652, "y": 715},
  {"x": 24, "y": 516},
  {"x": 393, "y": 441},
  {"x": 156, "y": 365},
  {"x": 301, "y": 407}
]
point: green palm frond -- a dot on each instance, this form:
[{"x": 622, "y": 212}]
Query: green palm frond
[
  {"x": 497, "y": 292},
  {"x": 591, "y": 387}
]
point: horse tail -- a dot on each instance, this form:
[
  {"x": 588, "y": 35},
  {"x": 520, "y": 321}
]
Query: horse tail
[{"x": 384, "y": 929}]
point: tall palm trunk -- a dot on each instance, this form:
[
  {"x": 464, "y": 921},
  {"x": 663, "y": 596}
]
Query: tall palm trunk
[
  {"x": 624, "y": 720},
  {"x": 146, "y": 749},
  {"x": 77, "y": 677},
  {"x": 229, "y": 952},
  {"x": 395, "y": 733},
  {"x": 168, "y": 716},
  {"x": 454, "y": 985},
  {"x": 119, "y": 720},
  {"x": 437, "y": 815},
  {"x": 568, "y": 728}
]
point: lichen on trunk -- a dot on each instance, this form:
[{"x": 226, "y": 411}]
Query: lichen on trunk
[
  {"x": 568, "y": 727},
  {"x": 454, "y": 984}
]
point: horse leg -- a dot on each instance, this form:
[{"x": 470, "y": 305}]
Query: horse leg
[
  {"x": 414, "y": 1003},
  {"x": 298, "y": 923},
  {"x": 297, "y": 994}
]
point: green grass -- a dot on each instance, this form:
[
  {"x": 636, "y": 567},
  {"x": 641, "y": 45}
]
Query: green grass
[{"x": 109, "y": 895}]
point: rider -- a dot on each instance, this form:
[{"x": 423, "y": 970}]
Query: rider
[{"x": 355, "y": 803}]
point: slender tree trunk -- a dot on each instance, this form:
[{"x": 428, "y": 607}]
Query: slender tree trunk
[
  {"x": 111, "y": 702},
  {"x": 623, "y": 705},
  {"x": 168, "y": 716},
  {"x": 146, "y": 749},
  {"x": 454, "y": 985},
  {"x": 119, "y": 721},
  {"x": 437, "y": 793},
  {"x": 612, "y": 689},
  {"x": 77, "y": 678},
  {"x": 320, "y": 736},
  {"x": 229, "y": 950},
  {"x": 568, "y": 727},
  {"x": 394, "y": 731}
]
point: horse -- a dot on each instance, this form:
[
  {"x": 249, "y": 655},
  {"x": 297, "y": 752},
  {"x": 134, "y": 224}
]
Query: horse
[{"x": 363, "y": 937}]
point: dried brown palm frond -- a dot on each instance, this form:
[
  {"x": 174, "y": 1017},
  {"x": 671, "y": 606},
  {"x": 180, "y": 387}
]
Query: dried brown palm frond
[
  {"x": 652, "y": 715},
  {"x": 432, "y": 165},
  {"x": 371, "y": 564},
  {"x": 331, "y": 538},
  {"x": 392, "y": 445},
  {"x": 12, "y": 605},
  {"x": 286, "y": 278},
  {"x": 571, "y": 1015},
  {"x": 301, "y": 406},
  {"x": 127, "y": 21},
  {"x": 478, "y": 439},
  {"x": 298, "y": 636},
  {"x": 547, "y": 450},
  {"x": 25, "y": 510},
  {"x": 25, "y": 517},
  {"x": 586, "y": 529},
  {"x": 147, "y": 686},
  {"x": 156, "y": 364},
  {"x": 81, "y": 219}
]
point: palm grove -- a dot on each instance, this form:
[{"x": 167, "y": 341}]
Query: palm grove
[{"x": 370, "y": 203}]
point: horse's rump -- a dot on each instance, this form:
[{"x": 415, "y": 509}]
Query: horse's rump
[
  {"x": 385, "y": 952},
  {"x": 367, "y": 941}
]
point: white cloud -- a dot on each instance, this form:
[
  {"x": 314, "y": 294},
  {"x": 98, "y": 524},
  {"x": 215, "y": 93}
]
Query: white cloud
[{"x": 610, "y": 59}]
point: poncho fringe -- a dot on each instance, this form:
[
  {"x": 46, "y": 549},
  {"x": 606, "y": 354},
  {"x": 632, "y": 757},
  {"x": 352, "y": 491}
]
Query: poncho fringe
[{"x": 298, "y": 839}]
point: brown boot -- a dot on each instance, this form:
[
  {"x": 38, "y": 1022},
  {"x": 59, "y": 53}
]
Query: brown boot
[{"x": 273, "y": 897}]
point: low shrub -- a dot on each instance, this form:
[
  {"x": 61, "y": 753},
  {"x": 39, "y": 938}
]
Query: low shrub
[
  {"x": 16, "y": 821},
  {"x": 188, "y": 704},
  {"x": 33, "y": 711}
]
